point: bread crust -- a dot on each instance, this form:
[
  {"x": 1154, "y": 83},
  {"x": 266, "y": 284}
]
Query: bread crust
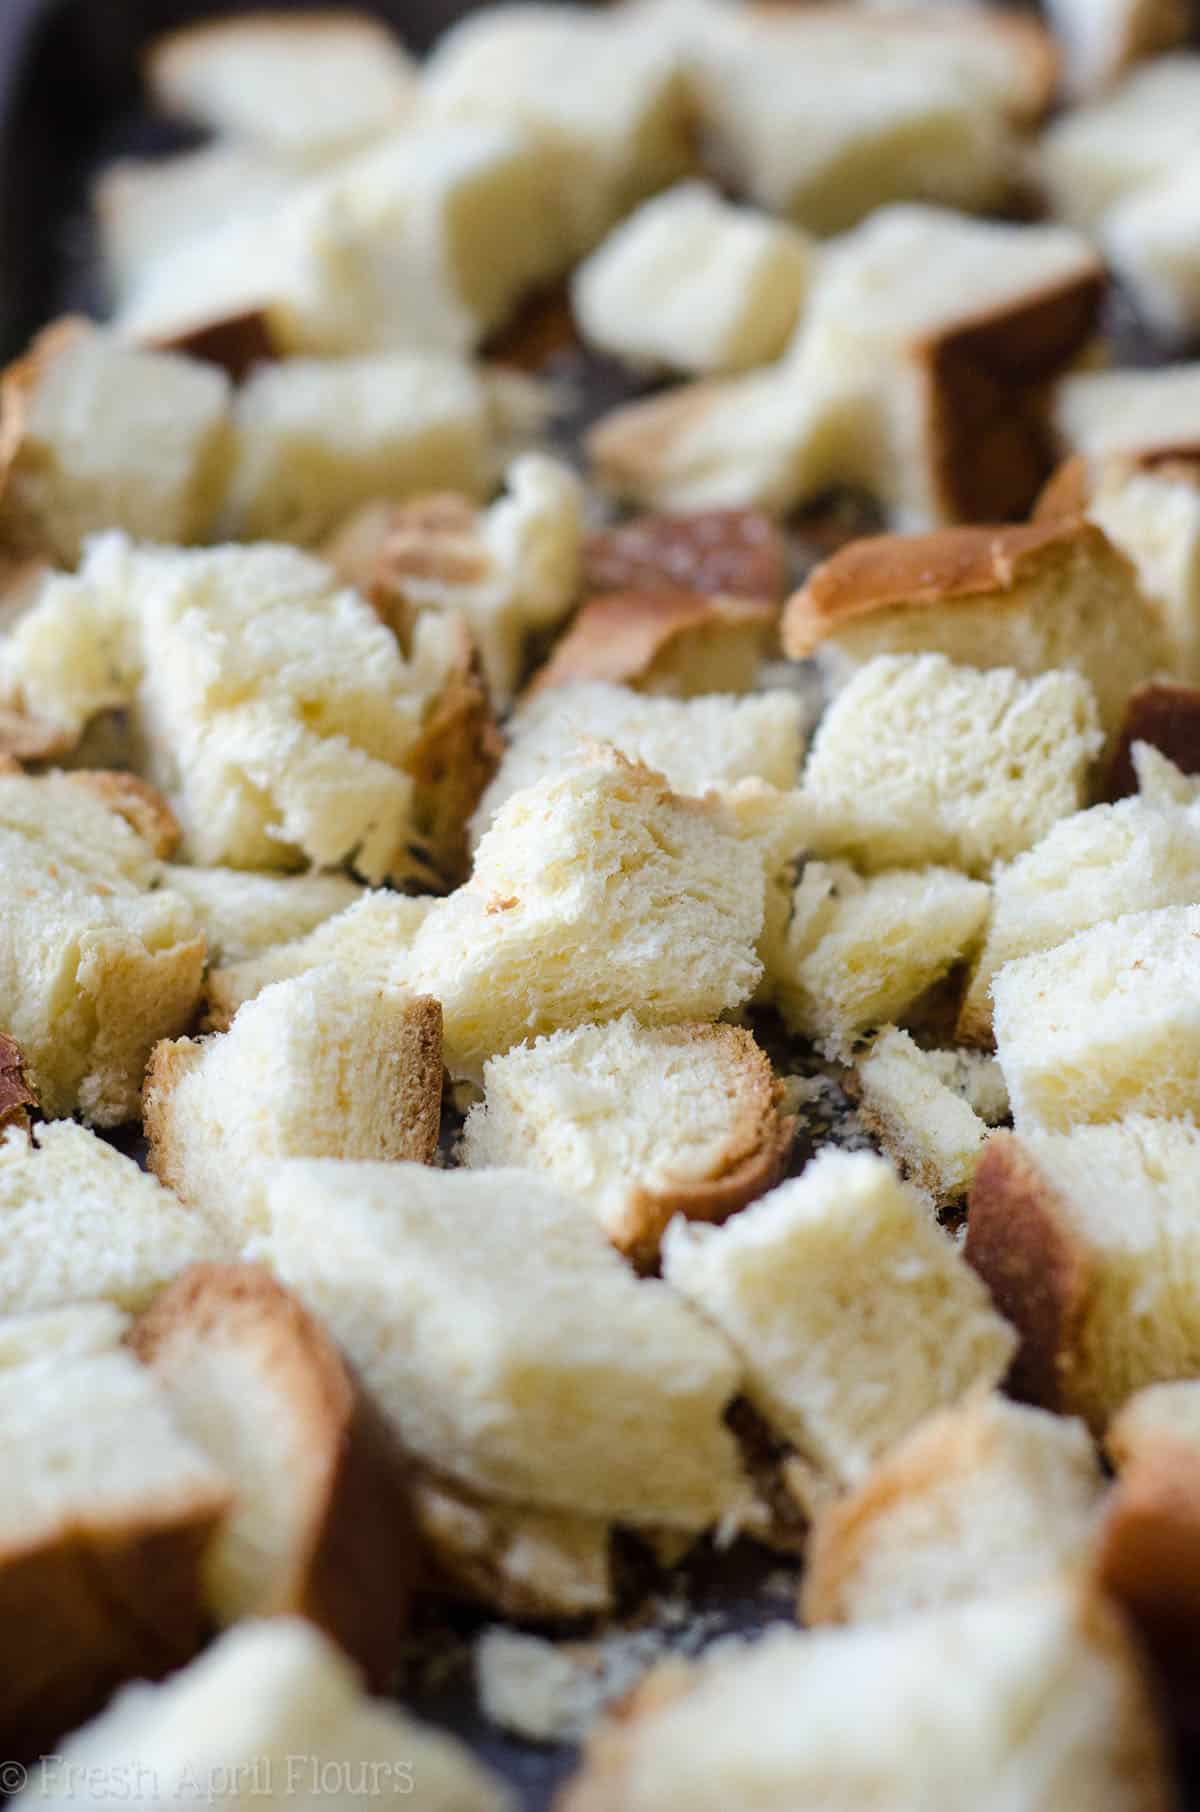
[
  {"x": 16, "y": 1095},
  {"x": 235, "y": 342},
  {"x": 730, "y": 553},
  {"x": 619, "y": 637},
  {"x": 951, "y": 566},
  {"x": 454, "y": 760},
  {"x": 353, "y": 1570},
  {"x": 1165, "y": 714},
  {"x": 1019, "y": 1240},
  {"x": 141, "y": 805}
]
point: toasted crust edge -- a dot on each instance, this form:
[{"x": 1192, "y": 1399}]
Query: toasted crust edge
[
  {"x": 17, "y": 1096},
  {"x": 1166, "y": 714},
  {"x": 619, "y": 636}
]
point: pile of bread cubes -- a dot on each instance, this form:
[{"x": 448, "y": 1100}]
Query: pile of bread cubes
[{"x": 468, "y": 863}]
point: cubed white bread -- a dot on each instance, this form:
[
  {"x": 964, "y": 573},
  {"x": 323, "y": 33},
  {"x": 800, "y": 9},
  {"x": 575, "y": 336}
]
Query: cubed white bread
[
  {"x": 1088, "y": 1243},
  {"x": 1150, "y": 240},
  {"x": 99, "y": 435},
  {"x": 931, "y": 1132},
  {"x": 145, "y": 208},
  {"x": 309, "y": 85},
  {"x": 1149, "y": 1556},
  {"x": 526, "y": 1563},
  {"x": 1101, "y": 39},
  {"x": 678, "y": 644},
  {"x": 1141, "y": 418},
  {"x": 107, "y": 1515},
  {"x": 691, "y": 283},
  {"x": 317, "y": 437},
  {"x": 97, "y": 960},
  {"x": 243, "y": 914},
  {"x": 82, "y": 1223},
  {"x": 857, "y": 954},
  {"x": 853, "y": 1314},
  {"x": 1105, "y": 1024},
  {"x": 602, "y": 94},
  {"x": 826, "y": 115},
  {"x": 322, "y": 1524},
  {"x": 272, "y": 1701},
  {"x": 695, "y": 743},
  {"x": 327, "y": 1065},
  {"x": 1131, "y": 857},
  {"x": 428, "y": 239},
  {"x": 1093, "y": 157},
  {"x": 638, "y": 1124},
  {"x": 367, "y": 940},
  {"x": 599, "y": 892},
  {"x": 510, "y": 1347},
  {"x": 979, "y": 1500},
  {"x": 911, "y": 319},
  {"x": 1034, "y": 597},
  {"x": 279, "y": 715},
  {"x": 1038, "y": 1699},
  {"x": 1153, "y": 516},
  {"x": 918, "y": 760}
]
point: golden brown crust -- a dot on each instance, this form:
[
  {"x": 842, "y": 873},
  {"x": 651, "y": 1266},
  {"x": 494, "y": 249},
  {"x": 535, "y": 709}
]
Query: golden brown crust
[
  {"x": 236, "y": 342},
  {"x": 1167, "y": 716},
  {"x": 16, "y": 1094},
  {"x": 453, "y": 762},
  {"x": 730, "y": 553},
  {"x": 1067, "y": 492},
  {"x": 169, "y": 1062},
  {"x": 525, "y": 1563},
  {"x": 1020, "y": 1241},
  {"x": 97, "y": 1605},
  {"x": 353, "y": 1570},
  {"x": 619, "y": 638},
  {"x": 141, "y": 805},
  {"x": 915, "y": 572}
]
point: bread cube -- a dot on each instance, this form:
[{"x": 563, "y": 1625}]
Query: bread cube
[
  {"x": 1132, "y": 857},
  {"x": 690, "y": 283},
  {"x": 507, "y": 1343},
  {"x": 328, "y": 1065},
  {"x": 595, "y": 893},
  {"x": 244, "y": 914},
  {"x": 97, "y": 959},
  {"x": 107, "y": 1515},
  {"x": 1039, "y": 1695},
  {"x": 1104, "y": 1025},
  {"x": 696, "y": 744},
  {"x": 273, "y": 1707},
  {"x": 638, "y": 1124},
  {"x": 678, "y": 644},
  {"x": 309, "y": 85},
  {"x": 1041, "y": 596},
  {"x": 853, "y": 1314},
  {"x": 533, "y": 1565},
  {"x": 82, "y": 1223},
  {"x": 1102, "y": 38},
  {"x": 1093, "y": 157},
  {"x": 260, "y": 1388},
  {"x": 857, "y": 954},
  {"x": 1153, "y": 516},
  {"x": 978, "y": 1500},
  {"x": 1142, "y": 419},
  {"x": 99, "y": 435},
  {"x": 1086, "y": 1240},
  {"x": 931, "y": 1132}
]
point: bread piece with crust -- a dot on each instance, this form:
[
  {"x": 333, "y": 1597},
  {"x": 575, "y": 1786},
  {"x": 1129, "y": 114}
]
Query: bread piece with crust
[
  {"x": 1161, "y": 720},
  {"x": 1034, "y": 597},
  {"x": 99, "y": 435},
  {"x": 108, "y": 1513},
  {"x": 1132, "y": 857},
  {"x": 507, "y": 1343},
  {"x": 856, "y": 954},
  {"x": 16, "y": 1096},
  {"x": 978, "y": 1500},
  {"x": 245, "y": 914},
  {"x": 310, "y": 86},
  {"x": 639, "y": 1124},
  {"x": 853, "y": 1314},
  {"x": 680, "y": 644},
  {"x": 719, "y": 553},
  {"x": 1140, "y": 419},
  {"x": 1087, "y": 1241},
  {"x": 271, "y": 1701},
  {"x": 920, "y": 761},
  {"x": 1102, "y": 39},
  {"x": 98, "y": 960},
  {"x": 1127, "y": 141},
  {"x": 929, "y": 1130},
  {"x": 1105, "y": 1024},
  {"x": 529, "y": 1564},
  {"x": 83, "y": 1223},
  {"x": 322, "y": 1524},
  {"x": 697, "y": 744},
  {"x": 328, "y": 1065}
]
